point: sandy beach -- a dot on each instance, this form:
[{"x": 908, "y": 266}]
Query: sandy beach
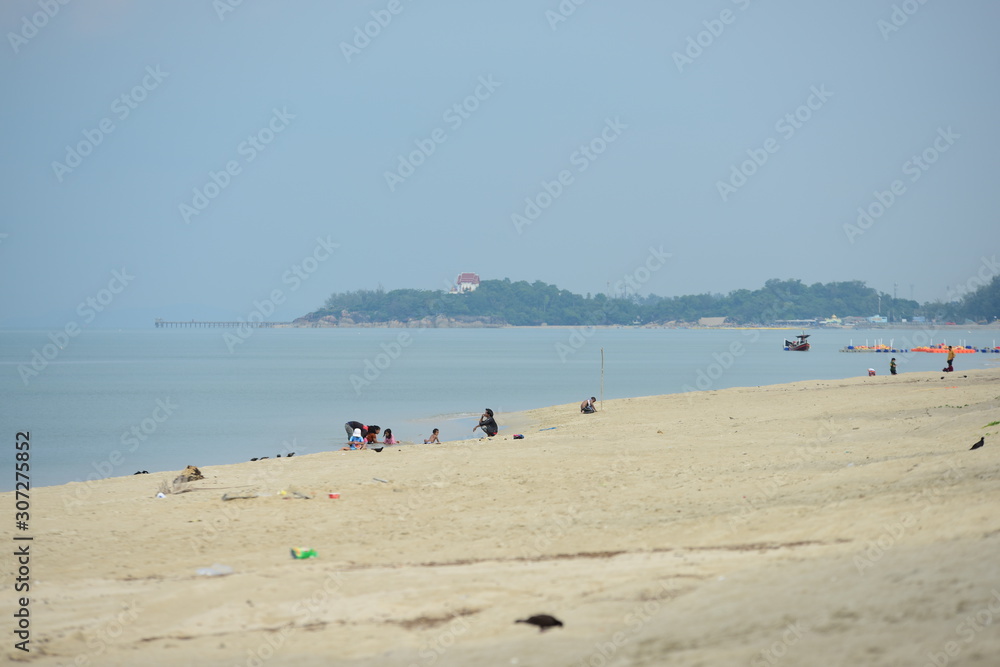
[{"x": 825, "y": 522}]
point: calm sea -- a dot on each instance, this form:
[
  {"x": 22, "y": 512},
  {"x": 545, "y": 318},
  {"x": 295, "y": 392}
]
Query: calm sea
[{"x": 113, "y": 402}]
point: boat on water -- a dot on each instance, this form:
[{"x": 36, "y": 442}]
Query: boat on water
[{"x": 798, "y": 345}]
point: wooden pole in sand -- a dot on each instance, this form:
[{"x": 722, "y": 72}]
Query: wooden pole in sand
[{"x": 602, "y": 378}]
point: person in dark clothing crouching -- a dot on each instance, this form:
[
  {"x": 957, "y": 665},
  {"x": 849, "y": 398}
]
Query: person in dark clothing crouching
[{"x": 487, "y": 423}]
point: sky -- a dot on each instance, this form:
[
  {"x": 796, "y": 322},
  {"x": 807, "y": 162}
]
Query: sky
[{"x": 209, "y": 159}]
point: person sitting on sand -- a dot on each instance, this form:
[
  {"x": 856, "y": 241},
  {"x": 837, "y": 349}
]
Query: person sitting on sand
[
  {"x": 434, "y": 437},
  {"x": 389, "y": 440},
  {"x": 355, "y": 441},
  {"x": 487, "y": 423},
  {"x": 587, "y": 407}
]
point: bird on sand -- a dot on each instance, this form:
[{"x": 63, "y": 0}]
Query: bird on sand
[
  {"x": 543, "y": 621},
  {"x": 979, "y": 444}
]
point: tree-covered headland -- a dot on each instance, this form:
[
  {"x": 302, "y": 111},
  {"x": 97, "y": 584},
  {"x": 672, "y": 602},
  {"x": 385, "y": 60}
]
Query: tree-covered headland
[{"x": 503, "y": 302}]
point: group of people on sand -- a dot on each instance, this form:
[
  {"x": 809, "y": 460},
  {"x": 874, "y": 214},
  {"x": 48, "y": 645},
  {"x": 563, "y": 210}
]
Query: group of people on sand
[{"x": 365, "y": 436}]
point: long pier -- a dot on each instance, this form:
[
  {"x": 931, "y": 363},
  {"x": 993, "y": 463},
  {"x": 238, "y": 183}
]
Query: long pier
[{"x": 193, "y": 324}]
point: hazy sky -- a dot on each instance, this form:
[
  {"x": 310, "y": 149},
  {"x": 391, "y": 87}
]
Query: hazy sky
[{"x": 220, "y": 154}]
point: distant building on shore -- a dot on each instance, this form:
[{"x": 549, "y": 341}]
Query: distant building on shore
[{"x": 467, "y": 282}]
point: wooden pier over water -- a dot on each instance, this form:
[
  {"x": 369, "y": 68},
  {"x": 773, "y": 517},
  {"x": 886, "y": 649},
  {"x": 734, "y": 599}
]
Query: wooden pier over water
[{"x": 193, "y": 324}]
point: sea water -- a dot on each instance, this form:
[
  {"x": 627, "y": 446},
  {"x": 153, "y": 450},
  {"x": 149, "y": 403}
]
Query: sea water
[{"x": 110, "y": 403}]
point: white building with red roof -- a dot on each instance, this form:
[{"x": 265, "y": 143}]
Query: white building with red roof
[{"x": 467, "y": 282}]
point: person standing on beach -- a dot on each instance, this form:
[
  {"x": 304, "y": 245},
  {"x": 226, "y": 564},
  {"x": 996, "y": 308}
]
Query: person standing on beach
[
  {"x": 487, "y": 423},
  {"x": 588, "y": 407},
  {"x": 892, "y": 366},
  {"x": 951, "y": 358}
]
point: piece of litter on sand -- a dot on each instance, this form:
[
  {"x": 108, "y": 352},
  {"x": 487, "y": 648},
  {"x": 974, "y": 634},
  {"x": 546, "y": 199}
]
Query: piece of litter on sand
[
  {"x": 215, "y": 571},
  {"x": 238, "y": 496},
  {"x": 550, "y": 428},
  {"x": 379, "y": 479},
  {"x": 161, "y": 495}
]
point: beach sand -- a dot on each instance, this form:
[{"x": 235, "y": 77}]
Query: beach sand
[{"x": 836, "y": 522}]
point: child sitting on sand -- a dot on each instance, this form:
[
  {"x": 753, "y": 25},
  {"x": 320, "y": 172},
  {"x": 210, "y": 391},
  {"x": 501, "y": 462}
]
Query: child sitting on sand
[
  {"x": 355, "y": 442},
  {"x": 389, "y": 440},
  {"x": 434, "y": 438}
]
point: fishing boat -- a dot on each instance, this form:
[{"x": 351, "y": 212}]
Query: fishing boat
[{"x": 799, "y": 345}]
